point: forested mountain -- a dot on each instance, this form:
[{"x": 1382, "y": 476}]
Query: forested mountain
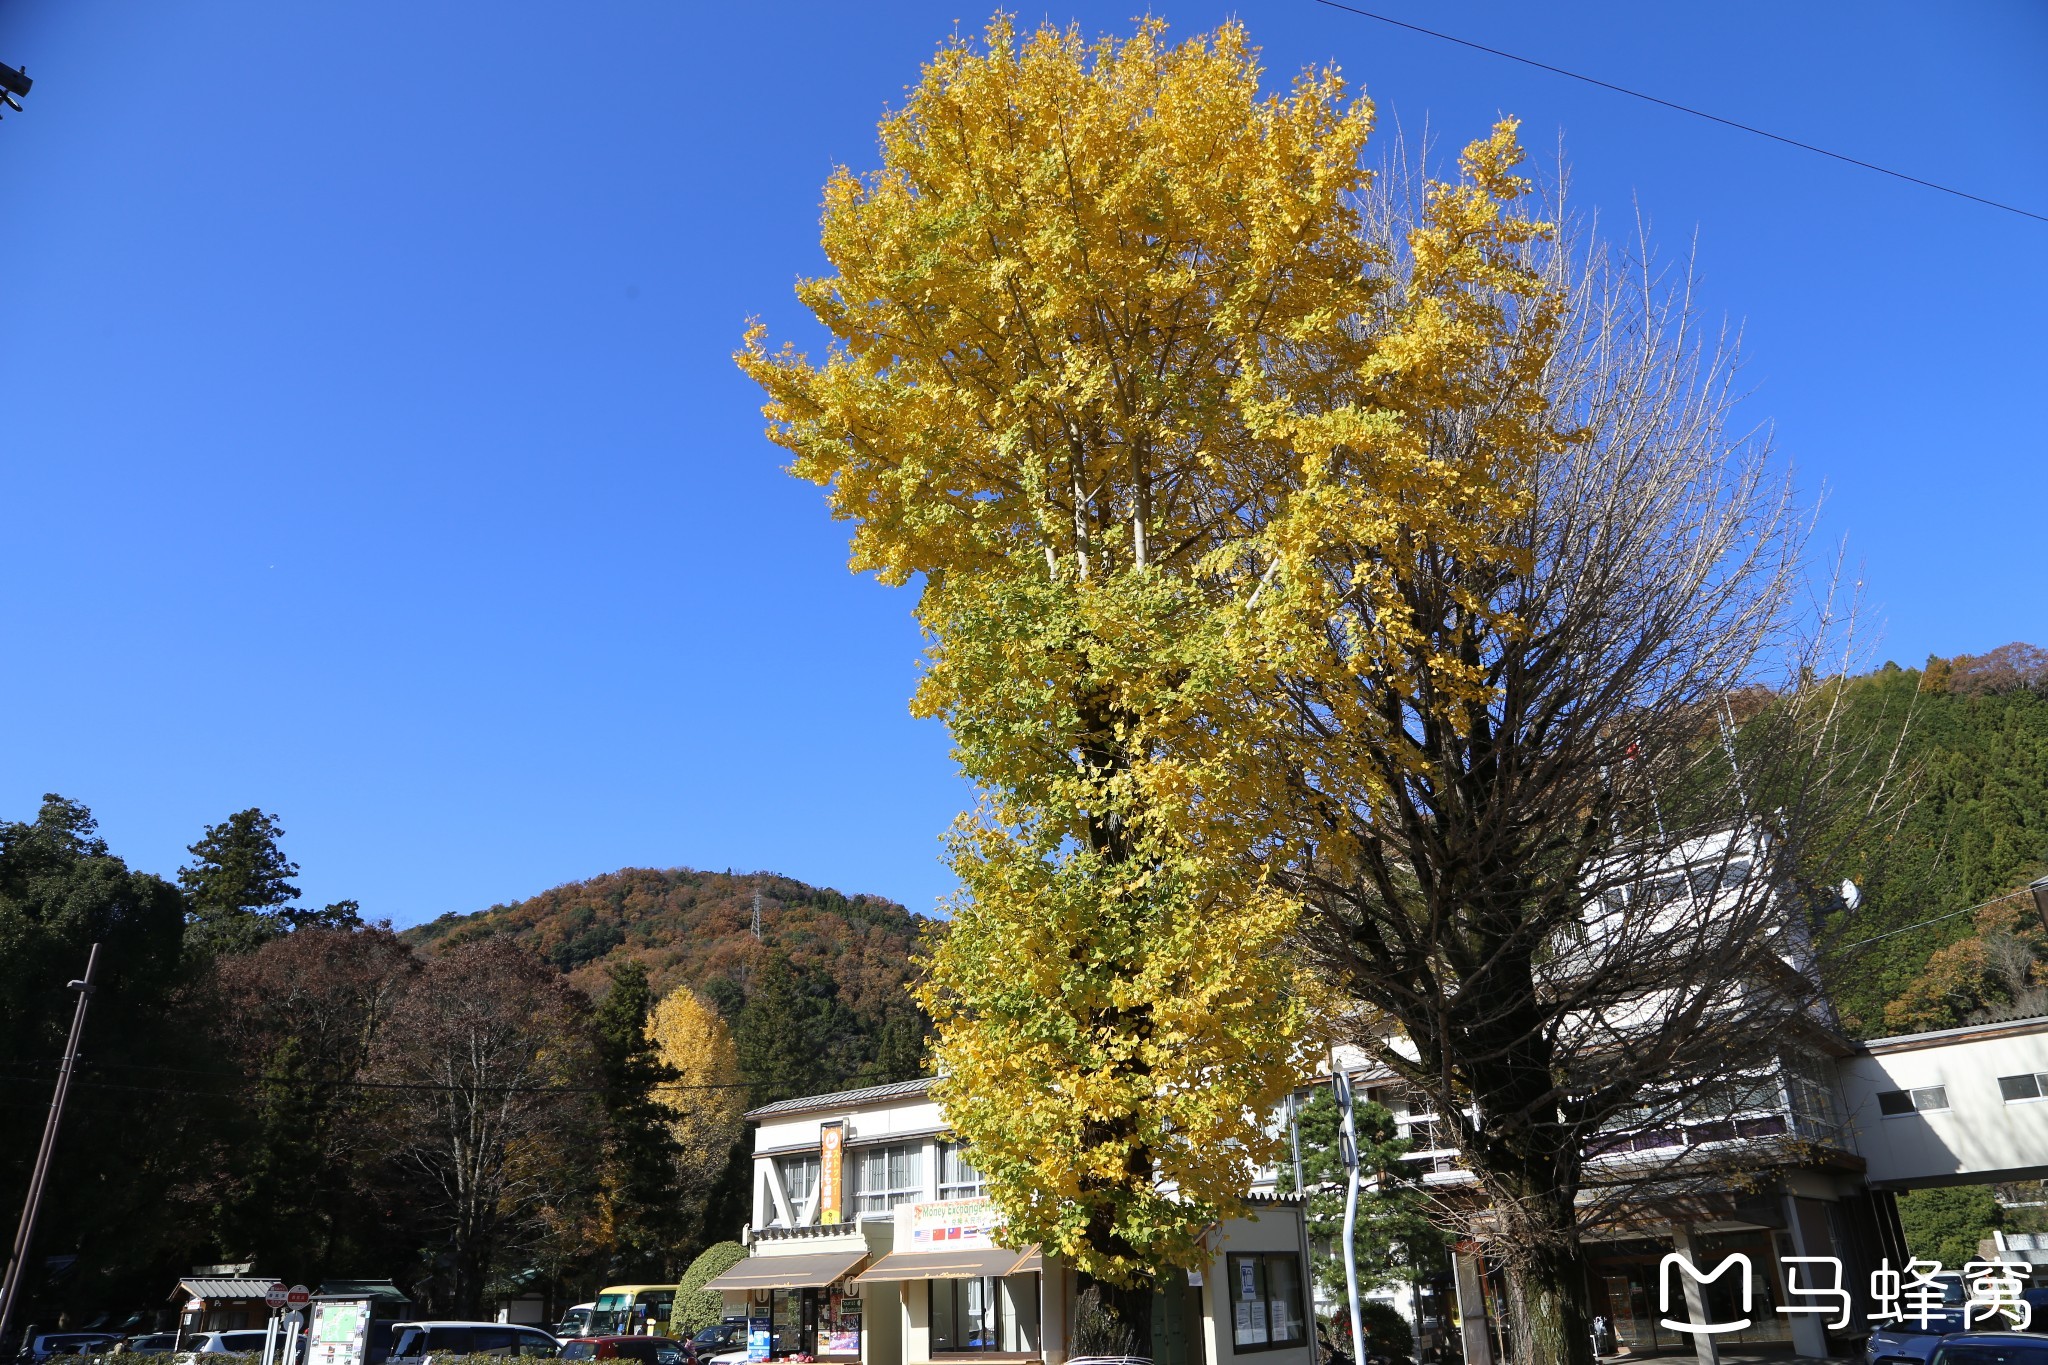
[
  {"x": 1971, "y": 738},
  {"x": 840, "y": 963}
]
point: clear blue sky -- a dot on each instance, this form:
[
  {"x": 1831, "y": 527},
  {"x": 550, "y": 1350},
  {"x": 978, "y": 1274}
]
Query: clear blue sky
[{"x": 372, "y": 453}]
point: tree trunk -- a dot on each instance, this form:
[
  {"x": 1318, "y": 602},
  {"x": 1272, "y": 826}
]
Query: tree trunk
[
  {"x": 1132, "y": 1305},
  {"x": 1546, "y": 1280}
]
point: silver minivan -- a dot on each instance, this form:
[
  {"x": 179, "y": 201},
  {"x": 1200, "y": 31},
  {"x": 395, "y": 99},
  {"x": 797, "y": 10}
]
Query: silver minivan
[{"x": 420, "y": 1341}]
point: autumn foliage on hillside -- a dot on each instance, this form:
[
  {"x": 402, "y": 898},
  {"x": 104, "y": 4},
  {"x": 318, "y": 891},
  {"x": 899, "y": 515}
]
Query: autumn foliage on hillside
[
  {"x": 1999, "y": 971},
  {"x": 691, "y": 928}
]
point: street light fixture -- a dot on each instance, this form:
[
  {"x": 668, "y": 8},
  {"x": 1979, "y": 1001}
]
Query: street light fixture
[{"x": 13, "y": 85}]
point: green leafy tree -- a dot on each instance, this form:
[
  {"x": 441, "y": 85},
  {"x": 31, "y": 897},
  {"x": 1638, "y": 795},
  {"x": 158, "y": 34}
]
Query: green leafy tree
[
  {"x": 1945, "y": 1225},
  {"x": 115, "y": 1197},
  {"x": 639, "y": 1202},
  {"x": 239, "y": 891}
]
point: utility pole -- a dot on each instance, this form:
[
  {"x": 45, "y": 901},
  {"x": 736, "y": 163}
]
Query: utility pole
[{"x": 10, "y": 1290}]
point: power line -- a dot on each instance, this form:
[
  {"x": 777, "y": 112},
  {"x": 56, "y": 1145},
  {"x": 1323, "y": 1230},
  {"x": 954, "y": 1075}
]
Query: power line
[
  {"x": 1969, "y": 910},
  {"x": 1685, "y": 109},
  {"x": 232, "y": 1081}
]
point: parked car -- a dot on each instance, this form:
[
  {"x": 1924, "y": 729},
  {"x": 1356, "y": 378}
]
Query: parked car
[
  {"x": 1991, "y": 1348},
  {"x": 149, "y": 1344},
  {"x": 575, "y": 1322},
  {"x": 49, "y": 1344},
  {"x": 420, "y": 1341},
  {"x": 243, "y": 1342},
  {"x": 646, "y": 1350},
  {"x": 1911, "y": 1340},
  {"x": 726, "y": 1342}
]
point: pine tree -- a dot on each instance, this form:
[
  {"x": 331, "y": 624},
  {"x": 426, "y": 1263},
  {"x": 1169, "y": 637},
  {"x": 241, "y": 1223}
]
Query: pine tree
[
  {"x": 1396, "y": 1242},
  {"x": 639, "y": 1204},
  {"x": 239, "y": 891},
  {"x": 782, "y": 1034}
]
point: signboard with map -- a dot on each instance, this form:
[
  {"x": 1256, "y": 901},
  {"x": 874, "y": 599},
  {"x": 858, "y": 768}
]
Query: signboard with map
[{"x": 338, "y": 1333}]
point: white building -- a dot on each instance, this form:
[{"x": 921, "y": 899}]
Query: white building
[{"x": 871, "y": 1240}]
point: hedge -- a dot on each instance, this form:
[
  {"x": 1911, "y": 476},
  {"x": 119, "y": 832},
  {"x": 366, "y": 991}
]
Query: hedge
[{"x": 697, "y": 1307}]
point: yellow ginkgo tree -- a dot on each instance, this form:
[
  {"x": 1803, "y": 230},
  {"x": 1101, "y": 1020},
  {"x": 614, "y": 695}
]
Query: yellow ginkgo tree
[{"x": 1110, "y": 347}]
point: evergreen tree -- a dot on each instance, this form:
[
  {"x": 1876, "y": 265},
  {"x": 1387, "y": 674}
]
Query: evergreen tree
[
  {"x": 238, "y": 889},
  {"x": 1396, "y": 1241},
  {"x": 639, "y": 1203},
  {"x": 784, "y": 1035},
  {"x": 899, "y": 1049},
  {"x": 123, "y": 1151}
]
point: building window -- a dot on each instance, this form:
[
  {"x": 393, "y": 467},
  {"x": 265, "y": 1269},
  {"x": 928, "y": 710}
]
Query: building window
[
  {"x": 2029, "y": 1086},
  {"x": 800, "y": 1183},
  {"x": 1892, "y": 1103},
  {"x": 957, "y": 1177},
  {"x": 988, "y": 1313},
  {"x": 1265, "y": 1301},
  {"x": 887, "y": 1176}
]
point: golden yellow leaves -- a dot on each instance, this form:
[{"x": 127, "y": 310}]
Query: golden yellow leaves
[
  {"x": 1120, "y": 374},
  {"x": 706, "y": 1103},
  {"x": 1084, "y": 1043}
]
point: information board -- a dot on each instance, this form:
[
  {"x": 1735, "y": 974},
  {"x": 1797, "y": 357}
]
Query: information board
[{"x": 338, "y": 1333}]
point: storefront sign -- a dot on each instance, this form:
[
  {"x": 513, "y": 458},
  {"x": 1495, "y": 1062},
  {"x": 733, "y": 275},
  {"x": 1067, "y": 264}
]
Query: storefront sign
[
  {"x": 951, "y": 1220},
  {"x": 831, "y": 1154},
  {"x": 760, "y": 1338}
]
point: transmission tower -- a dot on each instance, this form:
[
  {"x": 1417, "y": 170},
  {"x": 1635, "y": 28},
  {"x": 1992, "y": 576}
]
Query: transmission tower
[{"x": 757, "y": 914}]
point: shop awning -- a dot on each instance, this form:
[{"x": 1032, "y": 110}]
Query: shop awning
[
  {"x": 811, "y": 1270},
  {"x": 967, "y": 1263},
  {"x": 1032, "y": 1263}
]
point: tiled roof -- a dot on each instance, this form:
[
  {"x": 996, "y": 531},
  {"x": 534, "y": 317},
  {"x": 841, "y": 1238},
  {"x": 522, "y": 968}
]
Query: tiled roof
[
  {"x": 843, "y": 1099},
  {"x": 210, "y": 1288},
  {"x": 383, "y": 1291}
]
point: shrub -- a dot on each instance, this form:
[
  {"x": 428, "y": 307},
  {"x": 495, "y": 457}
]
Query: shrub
[
  {"x": 1388, "y": 1330},
  {"x": 697, "y": 1307}
]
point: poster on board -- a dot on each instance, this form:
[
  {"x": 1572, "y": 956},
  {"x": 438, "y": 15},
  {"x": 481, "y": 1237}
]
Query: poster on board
[{"x": 338, "y": 1332}]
